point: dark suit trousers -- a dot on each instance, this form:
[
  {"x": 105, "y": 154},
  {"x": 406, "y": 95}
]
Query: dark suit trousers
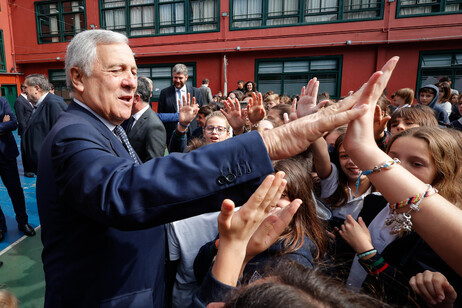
[{"x": 10, "y": 177}]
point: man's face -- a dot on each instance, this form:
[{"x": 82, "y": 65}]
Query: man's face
[
  {"x": 32, "y": 92},
  {"x": 200, "y": 119},
  {"x": 426, "y": 98},
  {"x": 179, "y": 80},
  {"x": 110, "y": 89},
  {"x": 240, "y": 85}
]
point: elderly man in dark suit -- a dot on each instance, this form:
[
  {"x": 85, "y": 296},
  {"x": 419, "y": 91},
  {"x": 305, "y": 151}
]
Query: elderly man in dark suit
[
  {"x": 9, "y": 170},
  {"x": 23, "y": 109},
  {"x": 169, "y": 97},
  {"x": 47, "y": 108},
  {"x": 102, "y": 211},
  {"x": 145, "y": 130}
]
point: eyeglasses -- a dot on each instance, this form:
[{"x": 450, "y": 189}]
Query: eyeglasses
[{"x": 220, "y": 129}]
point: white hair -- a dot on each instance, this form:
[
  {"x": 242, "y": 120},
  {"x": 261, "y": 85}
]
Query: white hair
[{"x": 81, "y": 51}]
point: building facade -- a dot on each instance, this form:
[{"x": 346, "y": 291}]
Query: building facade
[{"x": 279, "y": 44}]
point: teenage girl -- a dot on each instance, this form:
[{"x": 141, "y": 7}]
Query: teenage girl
[
  {"x": 340, "y": 188},
  {"x": 303, "y": 241},
  {"x": 392, "y": 258}
]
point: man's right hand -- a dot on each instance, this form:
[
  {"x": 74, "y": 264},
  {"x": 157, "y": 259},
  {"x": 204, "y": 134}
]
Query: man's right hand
[{"x": 295, "y": 137}]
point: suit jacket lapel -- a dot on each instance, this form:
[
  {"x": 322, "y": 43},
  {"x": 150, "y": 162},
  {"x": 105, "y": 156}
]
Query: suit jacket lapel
[{"x": 115, "y": 144}]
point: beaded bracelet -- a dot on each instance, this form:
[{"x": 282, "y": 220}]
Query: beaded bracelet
[
  {"x": 401, "y": 222},
  {"x": 386, "y": 165},
  {"x": 414, "y": 201},
  {"x": 366, "y": 253}
]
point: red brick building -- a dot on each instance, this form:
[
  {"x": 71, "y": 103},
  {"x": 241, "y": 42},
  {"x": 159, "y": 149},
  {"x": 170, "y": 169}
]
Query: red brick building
[{"x": 279, "y": 44}]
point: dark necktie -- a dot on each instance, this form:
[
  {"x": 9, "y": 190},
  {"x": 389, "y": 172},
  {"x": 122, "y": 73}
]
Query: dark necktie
[
  {"x": 120, "y": 132},
  {"x": 129, "y": 126}
]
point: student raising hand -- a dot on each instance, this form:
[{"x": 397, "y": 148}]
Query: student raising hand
[{"x": 236, "y": 228}]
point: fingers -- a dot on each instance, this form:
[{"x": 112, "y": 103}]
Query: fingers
[
  {"x": 361, "y": 223},
  {"x": 286, "y": 118},
  {"x": 226, "y": 214},
  {"x": 423, "y": 285},
  {"x": 286, "y": 214},
  {"x": 313, "y": 87},
  {"x": 293, "y": 108},
  {"x": 338, "y": 119}
]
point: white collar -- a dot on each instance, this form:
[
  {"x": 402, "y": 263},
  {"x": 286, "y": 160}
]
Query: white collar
[
  {"x": 140, "y": 113},
  {"x": 105, "y": 122}
]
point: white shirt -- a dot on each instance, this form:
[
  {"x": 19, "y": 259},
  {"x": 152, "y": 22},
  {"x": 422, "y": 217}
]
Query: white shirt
[
  {"x": 105, "y": 122},
  {"x": 353, "y": 206},
  {"x": 138, "y": 115},
  {"x": 40, "y": 100},
  {"x": 179, "y": 97}
]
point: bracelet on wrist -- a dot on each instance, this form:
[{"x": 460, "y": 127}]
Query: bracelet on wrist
[
  {"x": 182, "y": 125},
  {"x": 414, "y": 201},
  {"x": 366, "y": 253},
  {"x": 385, "y": 165},
  {"x": 401, "y": 222},
  {"x": 180, "y": 134}
]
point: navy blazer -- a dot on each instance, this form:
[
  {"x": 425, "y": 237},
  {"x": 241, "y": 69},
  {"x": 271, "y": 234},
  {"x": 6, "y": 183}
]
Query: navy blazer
[
  {"x": 168, "y": 104},
  {"x": 40, "y": 123},
  {"x": 99, "y": 211},
  {"x": 148, "y": 137},
  {"x": 23, "y": 111},
  {"x": 8, "y": 147}
]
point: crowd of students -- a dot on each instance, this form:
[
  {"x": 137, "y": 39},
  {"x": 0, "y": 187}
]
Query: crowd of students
[{"x": 361, "y": 218}]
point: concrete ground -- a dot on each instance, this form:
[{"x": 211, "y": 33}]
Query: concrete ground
[{"x": 22, "y": 272}]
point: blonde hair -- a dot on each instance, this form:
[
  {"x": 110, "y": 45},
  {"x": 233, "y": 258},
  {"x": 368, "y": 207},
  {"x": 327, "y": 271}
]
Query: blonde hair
[
  {"x": 446, "y": 154},
  {"x": 216, "y": 114},
  {"x": 7, "y": 299},
  {"x": 407, "y": 94}
]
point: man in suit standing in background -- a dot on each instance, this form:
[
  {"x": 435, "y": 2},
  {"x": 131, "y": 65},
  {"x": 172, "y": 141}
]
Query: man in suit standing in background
[
  {"x": 145, "y": 130},
  {"x": 47, "y": 108},
  {"x": 24, "y": 110},
  {"x": 169, "y": 97},
  {"x": 9, "y": 170},
  {"x": 206, "y": 93}
]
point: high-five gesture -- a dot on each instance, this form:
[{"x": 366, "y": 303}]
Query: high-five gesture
[{"x": 295, "y": 137}]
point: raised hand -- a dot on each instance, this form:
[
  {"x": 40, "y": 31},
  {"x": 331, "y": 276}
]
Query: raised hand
[
  {"x": 308, "y": 98},
  {"x": 356, "y": 234},
  {"x": 270, "y": 229},
  {"x": 360, "y": 133},
  {"x": 188, "y": 110},
  {"x": 236, "y": 228},
  {"x": 255, "y": 109},
  {"x": 234, "y": 115},
  {"x": 295, "y": 137},
  {"x": 380, "y": 122},
  {"x": 434, "y": 288}
]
